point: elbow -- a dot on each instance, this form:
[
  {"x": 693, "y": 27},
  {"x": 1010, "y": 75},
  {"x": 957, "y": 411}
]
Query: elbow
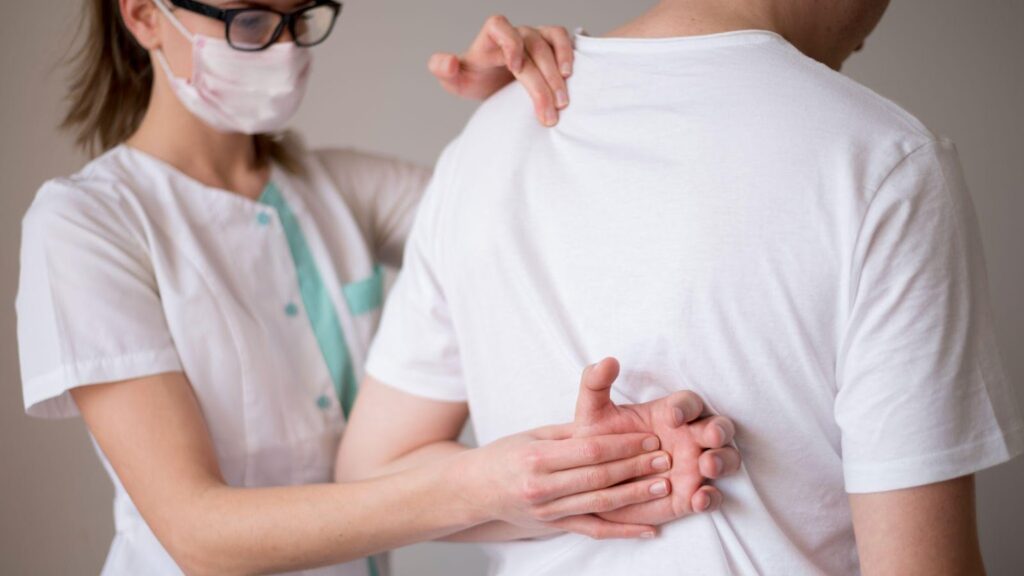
[
  {"x": 196, "y": 556},
  {"x": 198, "y": 547}
]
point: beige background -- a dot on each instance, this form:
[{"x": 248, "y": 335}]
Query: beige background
[{"x": 956, "y": 64}]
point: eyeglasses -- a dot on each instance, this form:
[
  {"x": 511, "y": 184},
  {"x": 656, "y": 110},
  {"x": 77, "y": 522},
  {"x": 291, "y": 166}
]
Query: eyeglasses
[{"x": 255, "y": 29}]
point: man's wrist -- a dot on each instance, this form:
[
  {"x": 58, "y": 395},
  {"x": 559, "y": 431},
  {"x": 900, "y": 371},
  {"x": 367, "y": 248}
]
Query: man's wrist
[{"x": 462, "y": 481}]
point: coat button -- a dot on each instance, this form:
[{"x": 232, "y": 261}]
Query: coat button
[
  {"x": 263, "y": 219},
  {"x": 323, "y": 402},
  {"x": 291, "y": 309}
]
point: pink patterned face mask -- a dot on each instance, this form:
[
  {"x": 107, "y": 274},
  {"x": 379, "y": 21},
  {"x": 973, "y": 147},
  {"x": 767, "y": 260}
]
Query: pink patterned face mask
[{"x": 235, "y": 91}]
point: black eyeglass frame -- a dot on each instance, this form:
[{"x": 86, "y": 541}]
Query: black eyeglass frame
[{"x": 226, "y": 15}]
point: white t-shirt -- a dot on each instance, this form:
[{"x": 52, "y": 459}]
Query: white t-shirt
[
  {"x": 725, "y": 215},
  {"x": 130, "y": 268}
]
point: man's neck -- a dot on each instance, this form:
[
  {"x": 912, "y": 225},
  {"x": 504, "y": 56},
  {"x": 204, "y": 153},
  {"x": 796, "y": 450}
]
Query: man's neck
[{"x": 671, "y": 18}]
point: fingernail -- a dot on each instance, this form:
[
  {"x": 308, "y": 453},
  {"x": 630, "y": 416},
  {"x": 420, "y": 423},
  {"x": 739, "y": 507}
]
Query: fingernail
[
  {"x": 680, "y": 416},
  {"x": 660, "y": 463},
  {"x": 562, "y": 98},
  {"x": 647, "y": 535},
  {"x": 566, "y": 70},
  {"x": 550, "y": 118},
  {"x": 659, "y": 488},
  {"x": 721, "y": 431},
  {"x": 651, "y": 444},
  {"x": 705, "y": 502},
  {"x": 719, "y": 464}
]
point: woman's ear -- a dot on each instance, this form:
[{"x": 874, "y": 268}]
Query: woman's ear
[{"x": 142, "y": 19}]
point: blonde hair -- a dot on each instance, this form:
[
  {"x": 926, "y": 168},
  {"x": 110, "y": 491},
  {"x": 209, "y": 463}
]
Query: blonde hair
[{"x": 111, "y": 83}]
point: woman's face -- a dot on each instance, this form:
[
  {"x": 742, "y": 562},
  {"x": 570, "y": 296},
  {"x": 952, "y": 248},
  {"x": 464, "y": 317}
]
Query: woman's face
[{"x": 178, "y": 49}]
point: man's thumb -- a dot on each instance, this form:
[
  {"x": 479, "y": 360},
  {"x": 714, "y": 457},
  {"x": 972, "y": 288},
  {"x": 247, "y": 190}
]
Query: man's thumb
[{"x": 595, "y": 390}]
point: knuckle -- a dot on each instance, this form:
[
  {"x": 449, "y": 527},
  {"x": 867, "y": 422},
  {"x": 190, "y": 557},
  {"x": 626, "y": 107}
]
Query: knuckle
[
  {"x": 591, "y": 450},
  {"x": 532, "y": 461},
  {"x": 597, "y": 478},
  {"x": 644, "y": 466},
  {"x": 497, "y": 20},
  {"x": 531, "y": 491},
  {"x": 544, "y": 514},
  {"x": 602, "y": 503}
]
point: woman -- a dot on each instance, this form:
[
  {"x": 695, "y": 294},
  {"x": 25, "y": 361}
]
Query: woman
[{"x": 203, "y": 294}]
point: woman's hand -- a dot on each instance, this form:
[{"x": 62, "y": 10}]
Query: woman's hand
[
  {"x": 547, "y": 479},
  {"x": 541, "y": 58}
]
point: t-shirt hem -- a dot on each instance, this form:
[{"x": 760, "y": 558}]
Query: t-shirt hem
[
  {"x": 439, "y": 388},
  {"x": 46, "y": 396},
  {"x": 865, "y": 477}
]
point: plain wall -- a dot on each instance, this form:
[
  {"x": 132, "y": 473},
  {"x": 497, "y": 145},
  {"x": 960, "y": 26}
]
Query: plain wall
[{"x": 955, "y": 64}]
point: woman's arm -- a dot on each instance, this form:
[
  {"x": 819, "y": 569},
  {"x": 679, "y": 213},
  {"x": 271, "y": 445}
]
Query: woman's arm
[{"x": 153, "y": 433}]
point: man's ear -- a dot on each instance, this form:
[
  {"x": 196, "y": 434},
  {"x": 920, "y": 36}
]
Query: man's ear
[{"x": 142, "y": 19}]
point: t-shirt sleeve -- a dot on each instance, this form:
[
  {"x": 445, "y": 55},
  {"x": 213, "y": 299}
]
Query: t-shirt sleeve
[
  {"x": 88, "y": 307},
  {"x": 922, "y": 394},
  {"x": 382, "y": 193},
  {"x": 416, "y": 349}
]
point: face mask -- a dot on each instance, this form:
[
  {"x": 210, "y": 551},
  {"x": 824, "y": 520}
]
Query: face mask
[{"x": 235, "y": 91}]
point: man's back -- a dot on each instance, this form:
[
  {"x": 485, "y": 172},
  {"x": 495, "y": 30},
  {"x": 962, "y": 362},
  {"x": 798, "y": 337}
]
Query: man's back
[{"x": 725, "y": 215}]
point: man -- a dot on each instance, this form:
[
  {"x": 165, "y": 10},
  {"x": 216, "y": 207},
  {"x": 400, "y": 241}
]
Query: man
[{"x": 722, "y": 212}]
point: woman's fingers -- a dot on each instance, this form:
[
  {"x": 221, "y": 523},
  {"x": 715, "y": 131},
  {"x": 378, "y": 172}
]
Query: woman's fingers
[
  {"x": 719, "y": 462},
  {"x": 589, "y": 478},
  {"x": 602, "y": 529},
  {"x": 561, "y": 41},
  {"x": 575, "y": 452},
  {"x": 445, "y": 67},
  {"x": 540, "y": 92},
  {"x": 543, "y": 55},
  {"x": 501, "y": 32},
  {"x": 604, "y": 500}
]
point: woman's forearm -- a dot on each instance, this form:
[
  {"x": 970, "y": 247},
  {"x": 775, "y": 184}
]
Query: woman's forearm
[
  {"x": 153, "y": 433},
  {"x": 257, "y": 530}
]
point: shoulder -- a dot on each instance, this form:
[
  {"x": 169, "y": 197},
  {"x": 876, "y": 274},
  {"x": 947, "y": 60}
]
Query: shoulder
[
  {"x": 826, "y": 98},
  {"x": 352, "y": 167},
  {"x": 96, "y": 201}
]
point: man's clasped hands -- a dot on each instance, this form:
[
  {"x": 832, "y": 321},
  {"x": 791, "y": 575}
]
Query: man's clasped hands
[{"x": 630, "y": 467}]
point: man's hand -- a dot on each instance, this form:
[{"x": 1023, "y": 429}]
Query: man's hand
[{"x": 698, "y": 445}]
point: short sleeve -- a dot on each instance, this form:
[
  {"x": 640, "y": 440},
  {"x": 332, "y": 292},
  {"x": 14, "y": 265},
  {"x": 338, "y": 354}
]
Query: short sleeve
[
  {"x": 416, "y": 349},
  {"x": 922, "y": 394},
  {"x": 382, "y": 193},
  {"x": 88, "y": 307}
]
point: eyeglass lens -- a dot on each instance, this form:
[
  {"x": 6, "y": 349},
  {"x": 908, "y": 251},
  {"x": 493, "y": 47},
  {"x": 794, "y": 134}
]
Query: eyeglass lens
[{"x": 254, "y": 29}]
